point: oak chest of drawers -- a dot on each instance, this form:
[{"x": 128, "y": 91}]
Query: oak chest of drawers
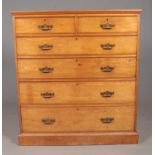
[{"x": 77, "y": 76}]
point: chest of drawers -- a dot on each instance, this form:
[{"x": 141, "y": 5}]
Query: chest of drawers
[{"x": 77, "y": 75}]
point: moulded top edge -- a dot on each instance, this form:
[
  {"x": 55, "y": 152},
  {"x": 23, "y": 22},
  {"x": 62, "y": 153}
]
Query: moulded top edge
[{"x": 51, "y": 12}]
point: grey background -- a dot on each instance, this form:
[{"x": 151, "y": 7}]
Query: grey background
[{"x": 10, "y": 113}]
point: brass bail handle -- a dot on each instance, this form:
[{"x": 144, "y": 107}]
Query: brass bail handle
[
  {"x": 107, "y": 120},
  {"x": 45, "y": 27},
  {"x": 107, "y": 26},
  {"x": 46, "y": 69},
  {"x": 107, "y": 46},
  {"x": 107, "y": 69},
  {"x": 48, "y": 121},
  {"x": 47, "y": 95},
  {"x": 45, "y": 46},
  {"x": 107, "y": 93}
]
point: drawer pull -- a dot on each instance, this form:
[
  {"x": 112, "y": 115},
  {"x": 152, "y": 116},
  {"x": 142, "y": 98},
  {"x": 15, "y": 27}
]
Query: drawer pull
[
  {"x": 46, "y": 69},
  {"x": 48, "y": 121},
  {"x": 47, "y": 95},
  {"x": 107, "y": 46},
  {"x": 107, "y": 26},
  {"x": 45, "y": 27},
  {"x": 107, "y": 94},
  {"x": 45, "y": 47},
  {"x": 107, "y": 69},
  {"x": 107, "y": 120}
]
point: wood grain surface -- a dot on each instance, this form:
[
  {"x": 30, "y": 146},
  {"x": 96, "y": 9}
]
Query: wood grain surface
[
  {"x": 77, "y": 119},
  {"x": 71, "y": 104},
  {"x": 77, "y": 92},
  {"x": 74, "y": 46}
]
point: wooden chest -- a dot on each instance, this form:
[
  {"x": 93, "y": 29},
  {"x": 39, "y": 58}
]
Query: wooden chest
[{"x": 77, "y": 76}]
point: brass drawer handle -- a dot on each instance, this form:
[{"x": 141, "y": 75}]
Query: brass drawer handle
[
  {"x": 107, "y": 26},
  {"x": 107, "y": 120},
  {"x": 45, "y": 47},
  {"x": 107, "y": 69},
  {"x": 45, "y": 27},
  {"x": 107, "y": 46},
  {"x": 48, "y": 121},
  {"x": 106, "y": 94},
  {"x": 47, "y": 95},
  {"x": 46, "y": 69}
]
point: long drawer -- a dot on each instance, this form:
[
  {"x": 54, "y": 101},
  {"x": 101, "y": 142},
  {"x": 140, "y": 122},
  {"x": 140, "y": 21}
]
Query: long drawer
[
  {"x": 81, "y": 45},
  {"x": 122, "y": 92},
  {"x": 77, "y": 68},
  {"x": 45, "y": 25},
  {"x": 82, "y": 119},
  {"x": 107, "y": 24}
]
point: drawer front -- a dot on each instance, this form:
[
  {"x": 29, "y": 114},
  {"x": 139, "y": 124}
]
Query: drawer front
[
  {"x": 77, "y": 68},
  {"x": 77, "y": 92},
  {"x": 45, "y": 25},
  {"x": 71, "y": 45},
  {"x": 77, "y": 119},
  {"x": 107, "y": 24}
]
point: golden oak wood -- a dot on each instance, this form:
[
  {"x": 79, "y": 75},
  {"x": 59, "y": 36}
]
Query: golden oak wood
[
  {"x": 77, "y": 45},
  {"x": 76, "y": 56},
  {"x": 119, "y": 24},
  {"x": 137, "y": 73},
  {"x": 76, "y": 80},
  {"x": 83, "y": 12},
  {"x": 73, "y": 43},
  {"x": 77, "y": 68},
  {"x": 84, "y": 138},
  {"x": 31, "y": 25},
  {"x": 77, "y": 92},
  {"x": 16, "y": 63},
  {"x": 83, "y": 119},
  {"x": 94, "y": 34}
]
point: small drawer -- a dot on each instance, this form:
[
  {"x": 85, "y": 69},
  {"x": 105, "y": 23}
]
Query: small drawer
[
  {"x": 45, "y": 25},
  {"x": 108, "y": 92},
  {"x": 107, "y": 24},
  {"x": 77, "y": 68},
  {"x": 107, "y": 45},
  {"x": 82, "y": 119}
]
